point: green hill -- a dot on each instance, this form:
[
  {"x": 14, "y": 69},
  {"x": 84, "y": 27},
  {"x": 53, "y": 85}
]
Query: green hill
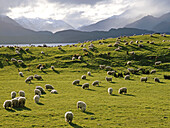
[{"x": 144, "y": 105}]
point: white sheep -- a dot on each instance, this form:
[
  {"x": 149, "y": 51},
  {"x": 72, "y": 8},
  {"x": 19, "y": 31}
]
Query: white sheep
[
  {"x": 21, "y": 93},
  {"x": 156, "y": 79},
  {"x": 37, "y": 92},
  {"x": 52, "y": 67},
  {"x": 153, "y": 71},
  {"x": 81, "y": 105},
  {"x": 28, "y": 80},
  {"x": 95, "y": 83},
  {"x": 86, "y": 85},
  {"x": 108, "y": 68},
  {"x": 76, "y": 82},
  {"x": 21, "y": 74},
  {"x": 7, "y": 104},
  {"x": 38, "y": 77},
  {"x": 48, "y": 86},
  {"x": 129, "y": 63},
  {"x": 42, "y": 52},
  {"x": 84, "y": 49},
  {"x": 143, "y": 79},
  {"x": 89, "y": 73},
  {"x": 21, "y": 101},
  {"x": 127, "y": 77},
  {"x": 13, "y": 94},
  {"x": 80, "y": 58},
  {"x": 41, "y": 89},
  {"x": 73, "y": 58},
  {"x": 122, "y": 90},
  {"x": 110, "y": 90},
  {"x": 158, "y": 63},
  {"x": 20, "y": 61},
  {"x": 83, "y": 77},
  {"x": 14, "y": 103},
  {"x": 102, "y": 66},
  {"x": 36, "y": 98},
  {"x": 54, "y": 91},
  {"x": 108, "y": 79},
  {"x": 68, "y": 117}
]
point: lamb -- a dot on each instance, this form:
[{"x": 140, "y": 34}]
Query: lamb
[
  {"x": 153, "y": 71},
  {"x": 83, "y": 77},
  {"x": 48, "y": 86},
  {"x": 21, "y": 101},
  {"x": 81, "y": 105},
  {"x": 21, "y": 93},
  {"x": 110, "y": 72},
  {"x": 36, "y": 98},
  {"x": 73, "y": 58},
  {"x": 127, "y": 77},
  {"x": 102, "y": 66},
  {"x": 7, "y": 104},
  {"x": 156, "y": 79},
  {"x": 143, "y": 79},
  {"x": 41, "y": 68},
  {"x": 14, "y": 103},
  {"x": 38, "y": 77},
  {"x": 95, "y": 83},
  {"x": 54, "y": 91},
  {"x": 68, "y": 117},
  {"x": 122, "y": 90},
  {"x": 110, "y": 90},
  {"x": 28, "y": 80},
  {"x": 80, "y": 58},
  {"x": 158, "y": 63},
  {"x": 108, "y": 68},
  {"x": 52, "y": 67},
  {"x": 76, "y": 82},
  {"x": 21, "y": 74},
  {"x": 13, "y": 94},
  {"x": 129, "y": 63},
  {"x": 37, "y": 92},
  {"x": 108, "y": 79},
  {"x": 86, "y": 85},
  {"x": 41, "y": 89},
  {"x": 89, "y": 73}
]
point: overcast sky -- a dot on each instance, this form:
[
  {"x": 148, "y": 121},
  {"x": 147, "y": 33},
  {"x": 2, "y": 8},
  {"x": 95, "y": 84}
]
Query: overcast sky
[{"x": 81, "y": 12}]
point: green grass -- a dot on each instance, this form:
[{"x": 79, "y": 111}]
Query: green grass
[{"x": 145, "y": 106}]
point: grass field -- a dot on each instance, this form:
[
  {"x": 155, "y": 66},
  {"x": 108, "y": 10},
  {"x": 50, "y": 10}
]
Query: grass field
[{"x": 146, "y": 105}]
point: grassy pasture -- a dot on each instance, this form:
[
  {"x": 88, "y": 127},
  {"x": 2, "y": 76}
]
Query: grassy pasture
[{"x": 146, "y": 105}]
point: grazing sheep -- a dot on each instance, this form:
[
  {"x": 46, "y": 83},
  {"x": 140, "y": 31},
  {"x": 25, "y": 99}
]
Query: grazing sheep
[
  {"x": 110, "y": 90},
  {"x": 84, "y": 49},
  {"x": 21, "y": 101},
  {"x": 28, "y": 80},
  {"x": 14, "y": 103},
  {"x": 21, "y": 74},
  {"x": 13, "y": 60},
  {"x": 41, "y": 68},
  {"x": 130, "y": 70},
  {"x": 68, "y": 117},
  {"x": 129, "y": 63},
  {"x": 110, "y": 72},
  {"x": 127, "y": 77},
  {"x": 76, "y": 82},
  {"x": 108, "y": 68},
  {"x": 21, "y": 93},
  {"x": 20, "y": 61},
  {"x": 36, "y": 98},
  {"x": 108, "y": 79},
  {"x": 156, "y": 79},
  {"x": 7, "y": 104},
  {"x": 13, "y": 94},
  {"x": 110, "y": 45},
  {"x": 83, "y": 77},
  {"x": 153, "y": 71},
  {"x": 41, "y": 89},
  {"x": 95, "y": 83},
  {"x": 37, "y": 92},
  {"x": 140, "y": 45},
  {"x": 89, "y": 73},
  {"x": 143, "y": 79},
  {"x": 54, "y": 91},
  {"x": 42, "y": 52},
  {"x": 81, "y": 105},
  {"x": 27, "y": 49},
  {"x": 102, "y": 66},
  {"x": 48, "y": 86},
  {"x": 52, "y": 67},
  {"x": 73, "y": 58},
  {"x": 166, "y": 76},
  {"x": 86, "y": 85},
  {"x": 120, "y": 75},
  {"x": 80, "y": 58},
  {"x": 158, "y": 63},
  {"x": 38, "y": 77},
  {"x": 132, "y": 53},
  {"x": 91, "y": 48},
  {"x": 122, "y": 90}
]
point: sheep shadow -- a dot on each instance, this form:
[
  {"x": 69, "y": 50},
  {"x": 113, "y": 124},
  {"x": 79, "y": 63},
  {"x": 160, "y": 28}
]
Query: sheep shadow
[
  {"x": 22, "y": 108},
  {"x": 162, "y": 82},
  {"x": 10, "y": 110},
  {"x": 29, "y": 52},
  {"x": 75, "y": 125},
  {"x": 56, "y": 71},
  {"x": 130, "y": 95},
  {"x": 40, "y": 103},
  {"x": 79, "y": 85},
  {"x": 91, "y": 89},
  {"x": 113, "y": 82},
  {"x": 44, "y": 72},
  {"x": 114, "y": 95},
  {"x": 100, "y": 86},
  {"x": 89, "y": 113}
]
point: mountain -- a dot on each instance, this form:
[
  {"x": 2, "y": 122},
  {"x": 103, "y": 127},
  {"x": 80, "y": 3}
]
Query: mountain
[
  {"x": 159, "y": 24},
  {"x": 38, "y": 24}
]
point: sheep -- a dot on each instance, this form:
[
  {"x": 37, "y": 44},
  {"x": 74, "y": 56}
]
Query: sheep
[
  {"x": 27, "y": 49},
  {"x": 41, "y": 68},
  {"x": 79, "y": 58},
  {"x": 68, "y": 117},
  {"x": 110, "y": 45},
  {"x": 54, "y": 91},
  {"x": 36, "y": 98},
  {"x": 140, "y": 45},
  {"x": 76, "y": 82},
  {"x": 14, "y": 103},
  {"x": 21, "y": 74},
  {"x": 84, "y": 49},
  {"x": 21, "y": 101},
  {"x": 129, "y": 63},
  {"x": 7, "y": 104},
  {"x": 48, "y": 86},
  {"x": 52, "y": 67},
  {"x": 110, "y": 90},
  {"x": 81, "y": 105},
  {"x": 132, "y": 53},
  {"x": 158, "y": 63},
  {"x": 13, "y": 94},
  {"x": 91, "y": 48},
  {"x": 38, "y": 77},
  {"x": 95, "y": 83},
  {"x": 73, "y": 58},
  {"x": 130, "y": 70},
  {"x": 156, "y": 79},
  {"x": 108, "y": 79},
  {"x": 110, "y": 72},
  {"x": 89, "y": 73},
  {"x": 127, "y": 77},
  {"x": 153, "y": 71},
  {"x": 108, "y": 68},
  {"x": 86, "y": 85},
  {"x": 143, "y": 79},
  {"x": 42, "y": 52},
  {"x": 20, "y": 61},
  {"x": 102, "y": 66},
  {"x": 122, "y": 90},
  {"x": 37, "y": 92},
  {"x": 41, "y": 89},
  {"x": 13, "y": 60},
  {"x": 83, "y": 77},
  {"x": 28, "y": 80},
  {"x": 21, "y": 93}
]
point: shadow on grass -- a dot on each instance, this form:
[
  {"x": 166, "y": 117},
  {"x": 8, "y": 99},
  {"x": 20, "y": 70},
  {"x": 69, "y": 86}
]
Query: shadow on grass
[
  {"x": 162, "y": 82},
  {"x": 114, "y": 95},
  {"x": 10, "y": 110},
  {"x": 129, "y": 95},
  {"x": 56, "y": 71},
  {"x": 40, "y": 103},
  {"x": 89, "y": 113},
  {"x": 79, "y": 85},
  {"x": 100, "y": 86},
  {"x": 91, "y": 89},
  {"x": 113, "y": 82},
  {"x": 22, "y": 108},
  {"x": 45, "y": 72},
  {"x": 75, "y": 125}
]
